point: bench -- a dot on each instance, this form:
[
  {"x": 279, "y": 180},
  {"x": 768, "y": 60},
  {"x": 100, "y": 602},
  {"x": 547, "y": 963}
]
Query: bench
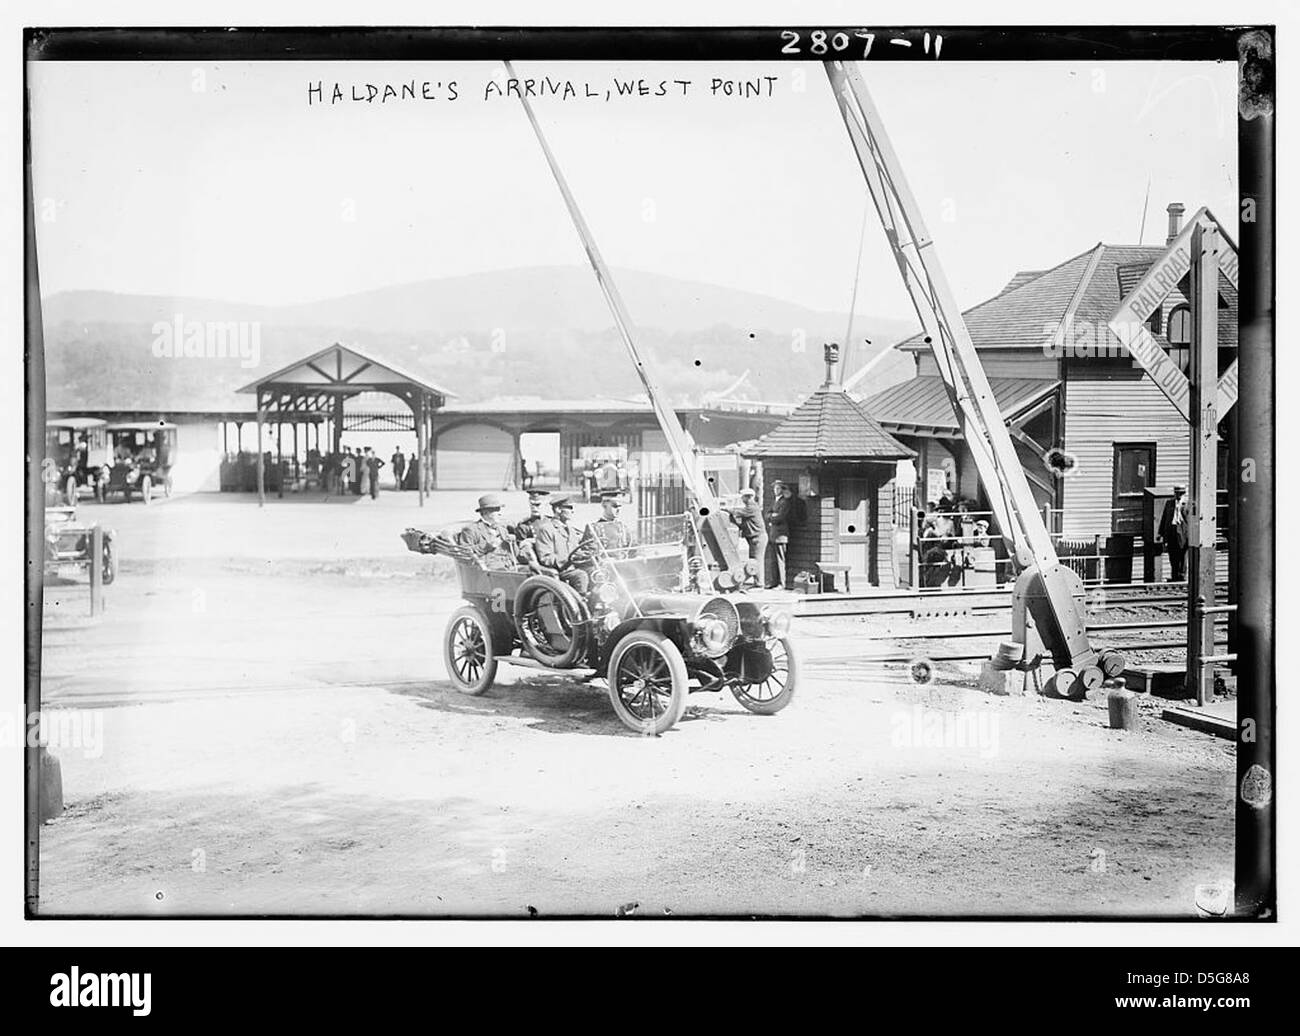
[{"x": 834, "y": 570}]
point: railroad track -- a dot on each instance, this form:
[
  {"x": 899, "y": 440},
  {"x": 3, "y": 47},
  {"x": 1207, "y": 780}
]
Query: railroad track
[{"x": 939, "y": 603}]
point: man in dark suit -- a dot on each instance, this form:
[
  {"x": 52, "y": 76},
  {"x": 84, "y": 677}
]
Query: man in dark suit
[
  {"x": 779, "y": 528},
  {"x": 399, "y": 468},
  {"x": 1173, "y": 531}
]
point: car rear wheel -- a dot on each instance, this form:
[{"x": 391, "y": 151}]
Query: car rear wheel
[
  {"x": 647, "y": 682},
  {"x": 467, "y": 650},
  {"x": 70, "y": 491},
  {"x": 776, "y": 675},
  {"x": 146, "y": 489}
]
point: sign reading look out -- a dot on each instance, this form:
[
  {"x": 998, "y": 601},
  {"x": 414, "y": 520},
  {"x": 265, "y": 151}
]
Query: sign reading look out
[{"x": 1129, "y": 321}]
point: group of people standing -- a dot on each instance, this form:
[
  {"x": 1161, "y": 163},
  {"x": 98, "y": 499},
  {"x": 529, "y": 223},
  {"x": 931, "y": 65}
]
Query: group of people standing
[
  {"x": 767, "y": 535},
  {"x": 356, "y": 473}
]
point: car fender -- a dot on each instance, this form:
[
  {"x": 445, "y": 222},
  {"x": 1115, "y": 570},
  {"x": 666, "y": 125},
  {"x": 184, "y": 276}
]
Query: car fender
[{"x": 675, "y": 627}]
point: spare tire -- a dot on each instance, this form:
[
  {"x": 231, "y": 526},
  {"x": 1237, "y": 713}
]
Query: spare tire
[{"x": 552, "y": 622}]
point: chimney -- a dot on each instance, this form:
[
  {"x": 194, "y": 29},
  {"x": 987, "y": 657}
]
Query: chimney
[
  {"x": 832, "y": 353},
  {"x": 1175, "y": 211}
]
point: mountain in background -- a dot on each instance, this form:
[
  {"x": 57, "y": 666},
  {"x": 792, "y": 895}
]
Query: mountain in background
[{"x": 537, "y": 332}]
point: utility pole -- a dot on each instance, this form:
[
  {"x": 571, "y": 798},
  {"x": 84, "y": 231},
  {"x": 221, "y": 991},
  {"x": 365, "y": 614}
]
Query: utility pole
[{"x": 1203, "y": 491}]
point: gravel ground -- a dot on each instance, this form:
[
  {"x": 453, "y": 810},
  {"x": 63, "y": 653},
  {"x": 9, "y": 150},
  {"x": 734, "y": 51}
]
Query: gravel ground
[{"x": 278, "y": 737}]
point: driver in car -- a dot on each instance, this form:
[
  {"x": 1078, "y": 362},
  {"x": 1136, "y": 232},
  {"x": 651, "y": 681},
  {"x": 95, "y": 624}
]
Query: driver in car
[{"x": 557, "y": 543}]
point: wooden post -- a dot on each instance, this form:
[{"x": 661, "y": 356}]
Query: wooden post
[
  {"x": 261, "y": 465},
  {"x": 422, "y": 461},
  {"x": 96, "y": 570},
  {"x": 279, "y": 451},
  {"x": 1203, "y": 484},
  {"x": 432, "y": 451}
]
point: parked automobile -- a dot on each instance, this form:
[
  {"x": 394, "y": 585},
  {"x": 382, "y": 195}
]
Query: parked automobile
[
  {"x": 68, "y": 544},
  {"x": 654, "y": 642},
  {"x": 76, "y": 458},
  {"x": 141, "y": 465}
]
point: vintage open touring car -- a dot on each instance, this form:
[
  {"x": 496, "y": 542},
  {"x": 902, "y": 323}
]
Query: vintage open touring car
[{"x": 653, "y": 641}]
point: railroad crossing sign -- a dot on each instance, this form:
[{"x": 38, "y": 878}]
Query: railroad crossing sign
[{"x": 1159, "y": 282}]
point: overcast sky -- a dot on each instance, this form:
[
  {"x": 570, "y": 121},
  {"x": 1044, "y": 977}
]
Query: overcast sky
[{"x": 222, "y": 181}]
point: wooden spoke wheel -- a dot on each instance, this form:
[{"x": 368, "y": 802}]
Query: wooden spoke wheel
[
  {"x": 467, "y": 650},
  {"x": 775, "y": 676},
  {"x": 647, "y": 682},
  {"x": 108, "y": 562}
]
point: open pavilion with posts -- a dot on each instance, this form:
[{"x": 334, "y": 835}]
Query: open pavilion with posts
[{"x": 311, "y": 392}]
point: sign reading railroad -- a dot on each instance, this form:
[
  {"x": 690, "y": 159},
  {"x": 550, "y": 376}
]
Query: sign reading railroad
[{"x": 1130, "y": 320}]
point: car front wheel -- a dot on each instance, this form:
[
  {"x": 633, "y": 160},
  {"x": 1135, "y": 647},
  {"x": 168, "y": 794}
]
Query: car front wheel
[
  {"x": 647, "y": 682},
  {"x": 772, "y": 674},
  {"x": 467, "y": 650}
]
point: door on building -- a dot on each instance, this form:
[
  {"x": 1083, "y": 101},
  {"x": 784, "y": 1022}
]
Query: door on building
[
  {"x": 475, "y": 456},
  {"x": 1135, "y": 470},
  {"x": 856, "y": 527}
]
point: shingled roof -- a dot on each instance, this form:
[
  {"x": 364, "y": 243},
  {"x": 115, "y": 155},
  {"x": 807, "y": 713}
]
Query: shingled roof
[
  {"x": 1026, "y": 312},
  {"x": 830, "y": 425}
]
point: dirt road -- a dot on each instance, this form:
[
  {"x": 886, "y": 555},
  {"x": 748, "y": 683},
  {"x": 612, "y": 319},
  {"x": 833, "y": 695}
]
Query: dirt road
[{"x": 278, "y": 737}]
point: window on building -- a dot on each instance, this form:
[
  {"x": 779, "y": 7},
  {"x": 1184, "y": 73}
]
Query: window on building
[
  {"x": 1135, "y": 470},
  {"x": 1180, "y": 336}
]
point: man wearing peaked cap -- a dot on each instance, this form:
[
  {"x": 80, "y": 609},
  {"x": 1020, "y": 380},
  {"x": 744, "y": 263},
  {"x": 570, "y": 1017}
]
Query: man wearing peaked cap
[
  {"x": 556, "y": 542},
  {"x": 525, "y": 531},
  {"x": 486, "y": 537},
  {"x": 608, "y": 528}
]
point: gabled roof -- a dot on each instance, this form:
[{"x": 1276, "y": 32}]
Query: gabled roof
[
  {"x": 343, "y": 369},
  {"x": 921, "y": 406},
  {"x": 830, "y": 425},
  {"x": 1087, "y": 287}
]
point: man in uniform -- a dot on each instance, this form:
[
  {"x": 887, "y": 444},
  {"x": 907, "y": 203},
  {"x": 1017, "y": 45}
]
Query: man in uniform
[
  {"x": 525, "y": 531},
  {"x": 487, "y": 538},
  {"x": 608, "y": 528},
  {"x": 556, "y": 542}
]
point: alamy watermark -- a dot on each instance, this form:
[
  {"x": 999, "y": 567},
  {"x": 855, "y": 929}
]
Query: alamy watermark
[
  {"x": 61, "y": 729},
  {"x": 920, "y": 727},
  {"x": 1084, "y": 340},
  {"x": 208, "y": 340}
]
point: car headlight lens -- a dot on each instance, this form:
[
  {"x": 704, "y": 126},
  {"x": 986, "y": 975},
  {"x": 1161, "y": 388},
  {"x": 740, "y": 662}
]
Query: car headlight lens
[
  {"x": 714, "y": 636},
  {"x": 776, "y": 622}
]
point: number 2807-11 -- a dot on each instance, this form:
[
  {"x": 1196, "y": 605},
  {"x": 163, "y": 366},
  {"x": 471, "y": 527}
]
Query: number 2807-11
[{"x": 822, "y": 42}]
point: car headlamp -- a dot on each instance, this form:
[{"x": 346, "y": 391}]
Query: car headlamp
[
  {"x": 713, "y": 634},
  {"x": 775, "y": 622}
]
